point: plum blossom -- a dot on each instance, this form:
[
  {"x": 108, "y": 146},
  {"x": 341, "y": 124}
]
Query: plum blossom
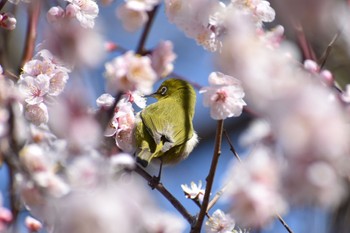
[
  {"x": 42, "y": 78},
  {"x": 325, "y": 75},
  {"x": 260, "y": 10},
  {"x": 220, "y": 222},
  {"x": 55, "y": 13},
  {"x": 195, "y": 19},
  {"x": 121, "y": 161},
  {"x": 163, "y": 222},
  {"x": 131, "y": 19},
  {"x": 143, "y": 5},
  {"x": 224, "y": 96},
  {"x": 130, "y": 72},
  {"x": 122, "y": 125},
  {"x": 162, "y": 58},
  {"x": 73, "y": 44},
  {"x": 254, "y": 189},
  {"x": 194, "y": 192},
  {"x": 32, "y": 224},
  {"x": 40, "y": 163},
  {"x": 84, "y": 10},
  {"x": 133, "y": 13},
  {"x": 105, "y": 100},
  {"x": 8, "y": 21},
  {"x": 5, "y": 216},
  {"x": 34, "y": 88}
]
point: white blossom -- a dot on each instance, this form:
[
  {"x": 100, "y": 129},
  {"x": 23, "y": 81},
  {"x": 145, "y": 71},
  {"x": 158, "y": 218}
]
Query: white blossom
[
  {"x": 105, "y": 100},
  {"x": 254, "y": 189},
  {"x": 132, "y": 19},
  {"x": 162, "y": 58},
  {"x": 130, "y": 72},
  {"x": 8, "y": 21},
  {"x": 84, "y": 10},
  {"x": 193, "y": 192},
  {"x": 224, "y": 96},
  {"x": 220, "y": 222}
]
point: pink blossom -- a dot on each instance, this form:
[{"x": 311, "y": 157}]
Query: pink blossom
[
  {"x": 130, "y": 72},
  {"x": 34, "y": 88},
  {"x": 194, "y": 192},
  {"x": 37, "y": 113},
  {"x": 143, "y": 5},
  {"x": 259, "y": 10},
  {"x": 32, "y": 224},
  {"x": 220, "y": 223},
  {"x": 105, "y": 101},
  {"x": 8, "y": 21},
  {"x": 122, "y": 126},
  {"x": 132, "y": 20},
  {"x": 84, "y": 10},
  {"x": 5, "y": 218},
  {"x": 73, "y": 44},
  {"x": 55, "y": 13},
  {"x": 193, "y": 17},
  {"x": 34, "y": 159},
  {"x": 162, "y": 58},
  {"x": 254, "y": 189},
  {"x": 223, "y": 96}
]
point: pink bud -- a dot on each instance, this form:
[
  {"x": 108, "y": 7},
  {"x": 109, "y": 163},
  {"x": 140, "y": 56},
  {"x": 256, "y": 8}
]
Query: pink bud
[
  {"x": 327, "y": 77},
  {"x": 5, "y": 215},
  {"x": 8, "y": 21},
  {"x": 71, "y": 10},
  {"x": 311, "y": 66},
  {"x": 55, "y": 13},
  {"x": 110, "y": 46},
  {"x": 32, "y": 224}
]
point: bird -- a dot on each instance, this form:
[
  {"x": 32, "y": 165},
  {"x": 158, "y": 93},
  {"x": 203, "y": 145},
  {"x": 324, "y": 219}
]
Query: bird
[{"x": 164, "y": 130}]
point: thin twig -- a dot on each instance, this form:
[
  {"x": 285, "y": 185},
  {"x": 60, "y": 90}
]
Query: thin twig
[
  {"x": 231, "y": 146},
  {"x": 217, "y": 197},
  {"x": 303, "y": 42},
  {"x": 326, "y": 53},
  {"x": 224, "y": 188},
  {"x": 159, "y": 186},
  {"x": 284, "y": 223},
  {"x": 2, "y": 4},
  {"x": 33, "y": 19},
  {"x": 141, "y": 45},
  {"x": 210, "y": 178}
]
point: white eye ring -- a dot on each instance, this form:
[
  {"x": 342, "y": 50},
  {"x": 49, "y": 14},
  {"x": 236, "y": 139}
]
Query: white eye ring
[{"x": 163, "y": 90}]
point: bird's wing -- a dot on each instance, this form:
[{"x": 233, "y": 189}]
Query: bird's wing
[{"x": 168, "y": 127}]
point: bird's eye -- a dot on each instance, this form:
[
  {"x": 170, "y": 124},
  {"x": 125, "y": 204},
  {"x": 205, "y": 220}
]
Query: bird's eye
[{"x": 163, "y": 90}]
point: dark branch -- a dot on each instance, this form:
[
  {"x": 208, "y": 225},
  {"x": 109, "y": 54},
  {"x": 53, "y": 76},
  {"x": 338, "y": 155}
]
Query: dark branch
[
  {"x": 141, "y": 45},
  {"x": 33, "y": 13},
  {"x": 2, "y": 4},
  {"x": 159, "y": 186},
  {"x": 210, "y": 178}
]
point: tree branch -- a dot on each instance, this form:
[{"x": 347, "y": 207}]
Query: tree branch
[
  {"x": 2, "y": 4},
  {"x": 159, "y": 186},
  {"x": 210, "y": 178},
  {"x": 323, "y": 59},
  {"x": 33, "y": 13},
  {"x": 141, "y": 45}
]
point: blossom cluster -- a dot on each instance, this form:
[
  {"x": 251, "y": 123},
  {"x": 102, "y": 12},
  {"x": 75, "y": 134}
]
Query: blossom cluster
[
  {"x": 208, "y": 21},
  {"x": 134, "y": 13},
  {"x": 42, "y": 78}
]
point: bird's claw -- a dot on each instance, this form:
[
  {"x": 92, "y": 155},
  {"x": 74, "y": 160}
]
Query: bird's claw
[{"x": 154, "y": 182}]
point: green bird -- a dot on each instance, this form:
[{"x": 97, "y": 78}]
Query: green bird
[{"x": 164, "y": 129}]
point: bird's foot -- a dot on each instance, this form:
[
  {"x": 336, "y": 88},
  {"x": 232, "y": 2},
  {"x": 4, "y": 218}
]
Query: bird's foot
[{"x": 154, "y": 182}]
